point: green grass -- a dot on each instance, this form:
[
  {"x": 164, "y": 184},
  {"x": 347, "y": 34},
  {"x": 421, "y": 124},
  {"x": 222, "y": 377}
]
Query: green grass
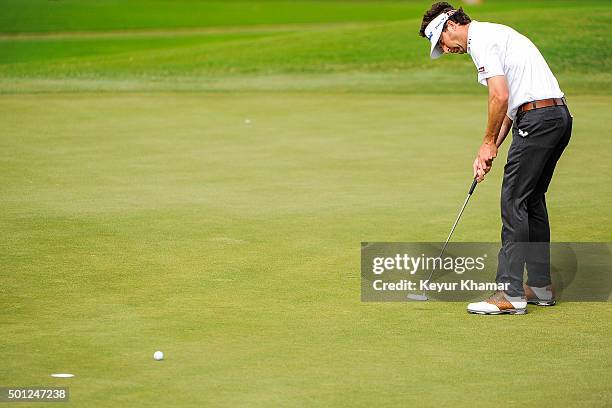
[
  {"x": 158, "y": 221},
  {"x": 46, "y": 50},
  {"x": 90, "y": 15},
  {"x": 140, "y": 211},
  {"x": 209, "y": 57},
  {"x": 75, "y": 15}
]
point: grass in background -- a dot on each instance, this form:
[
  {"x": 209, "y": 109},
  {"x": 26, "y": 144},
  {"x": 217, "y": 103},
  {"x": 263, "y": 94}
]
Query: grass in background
[
  {"x": 75, "y": 15},
  {"x": 356, "y": 50},
  {"x": 90, "y": 15}
]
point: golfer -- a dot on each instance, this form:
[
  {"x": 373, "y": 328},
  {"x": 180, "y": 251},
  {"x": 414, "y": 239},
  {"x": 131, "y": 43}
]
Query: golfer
[{"x": 523, "y": 96}]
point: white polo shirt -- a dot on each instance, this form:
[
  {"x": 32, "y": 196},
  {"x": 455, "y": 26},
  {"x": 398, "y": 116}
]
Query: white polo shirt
[{"x": 499, "y": 50}]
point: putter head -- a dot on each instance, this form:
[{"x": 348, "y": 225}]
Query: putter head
[{"x": 418, "y": 297}]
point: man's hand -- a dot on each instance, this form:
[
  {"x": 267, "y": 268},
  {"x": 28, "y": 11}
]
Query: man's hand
[
  {"x": 484, "y": 160},
  {"x": 478, "y": 172}
]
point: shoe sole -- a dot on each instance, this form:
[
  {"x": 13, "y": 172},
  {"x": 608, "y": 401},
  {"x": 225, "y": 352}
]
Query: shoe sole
[
  {"x": 542, "y": 302},
  {"x": 506, "y": 311}
]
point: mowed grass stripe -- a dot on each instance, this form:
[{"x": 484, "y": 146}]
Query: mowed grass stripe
[
  {"x": 50, "y": 50},
  {"x": 78, "y": 15},
  {"x": 376, "y": 47},
  {"x": 176, "y": 32},
  {"x": 71, "y": 15}
]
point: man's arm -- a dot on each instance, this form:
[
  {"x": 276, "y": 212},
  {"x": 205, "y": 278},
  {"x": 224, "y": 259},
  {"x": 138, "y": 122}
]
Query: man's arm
[
  {"x": 503, "y": 132},
  {"x": 498, "y": 105}
]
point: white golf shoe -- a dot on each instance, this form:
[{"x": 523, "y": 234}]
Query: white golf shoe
[
  {"x": 540, "y": 296},
  {"x": 499, "y": 303}
]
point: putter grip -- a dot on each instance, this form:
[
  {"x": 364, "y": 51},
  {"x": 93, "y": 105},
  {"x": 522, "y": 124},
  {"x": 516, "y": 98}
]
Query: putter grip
[{"x": 473, "y": 187}]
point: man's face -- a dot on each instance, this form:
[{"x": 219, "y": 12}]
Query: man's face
[{"x": 451, "y": 41}]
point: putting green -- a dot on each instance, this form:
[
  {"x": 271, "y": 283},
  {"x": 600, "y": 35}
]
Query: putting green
[
  {"x": 162, "y": 221},
  {"x": 196, "y": 178}
]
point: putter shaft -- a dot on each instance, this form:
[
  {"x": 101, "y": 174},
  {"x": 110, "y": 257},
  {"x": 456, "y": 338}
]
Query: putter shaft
[{"x": 472, "y": 187}]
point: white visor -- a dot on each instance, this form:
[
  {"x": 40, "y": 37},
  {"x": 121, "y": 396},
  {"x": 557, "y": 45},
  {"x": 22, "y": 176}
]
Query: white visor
[{"x": 433, "y": 31}]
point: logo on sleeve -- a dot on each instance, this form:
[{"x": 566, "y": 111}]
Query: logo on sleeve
[{"x": 481, "y": 70}]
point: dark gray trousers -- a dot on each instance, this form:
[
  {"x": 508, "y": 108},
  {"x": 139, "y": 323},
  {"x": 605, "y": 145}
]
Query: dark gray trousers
[{"x": 539, "y": 137}]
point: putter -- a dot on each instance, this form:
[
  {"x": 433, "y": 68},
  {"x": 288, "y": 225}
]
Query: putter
[{"x": 423, "y": 297}]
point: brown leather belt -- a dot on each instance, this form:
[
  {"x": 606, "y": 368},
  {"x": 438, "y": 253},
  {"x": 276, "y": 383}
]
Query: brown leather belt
[{"x": 542, "y": 103}]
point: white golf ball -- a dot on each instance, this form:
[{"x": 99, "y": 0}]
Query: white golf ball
[
  {"x": 247, "y": 121},
  {"x": 158, "y": 355}
]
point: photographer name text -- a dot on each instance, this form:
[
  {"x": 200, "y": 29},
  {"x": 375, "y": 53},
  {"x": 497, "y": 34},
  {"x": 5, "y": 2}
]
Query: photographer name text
[{"x": 426, "y": 285}]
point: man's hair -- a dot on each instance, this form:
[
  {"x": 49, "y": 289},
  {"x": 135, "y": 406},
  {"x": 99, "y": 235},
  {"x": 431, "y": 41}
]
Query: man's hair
[{"x": 442, "y": 7}]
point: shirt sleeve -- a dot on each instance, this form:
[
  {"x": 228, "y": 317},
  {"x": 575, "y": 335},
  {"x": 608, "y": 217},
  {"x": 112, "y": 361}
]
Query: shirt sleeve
[{"x": 488, "y": 61}]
